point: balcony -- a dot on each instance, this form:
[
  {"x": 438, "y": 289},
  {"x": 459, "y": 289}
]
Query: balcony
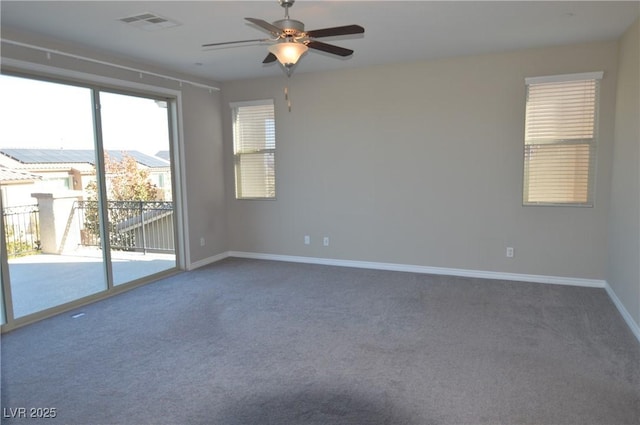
[{"x": 54, "y": 248}]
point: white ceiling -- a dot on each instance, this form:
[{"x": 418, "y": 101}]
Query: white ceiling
[{"x": 395, "y": 31}]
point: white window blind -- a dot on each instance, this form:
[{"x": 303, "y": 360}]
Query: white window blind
[
  {"x": 560, "y": 139},
  {"x": 254, "y": 141}
]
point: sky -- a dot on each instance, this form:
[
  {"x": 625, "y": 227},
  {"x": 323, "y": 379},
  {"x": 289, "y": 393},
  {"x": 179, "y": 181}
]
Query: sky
[{"x": 38, "y": 114}]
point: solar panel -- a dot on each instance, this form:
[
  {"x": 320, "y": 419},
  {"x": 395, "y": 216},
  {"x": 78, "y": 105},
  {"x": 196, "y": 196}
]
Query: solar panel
[{"x": 85, "y": 156}]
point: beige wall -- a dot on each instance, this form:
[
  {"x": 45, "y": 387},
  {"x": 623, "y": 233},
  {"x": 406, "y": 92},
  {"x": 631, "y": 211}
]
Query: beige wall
[
  {"x": 204, "y": 166},
  {"x": 421, "y": 164},
  {"x": 200, "y": 129},
  {"x": 624, "y": 221}
]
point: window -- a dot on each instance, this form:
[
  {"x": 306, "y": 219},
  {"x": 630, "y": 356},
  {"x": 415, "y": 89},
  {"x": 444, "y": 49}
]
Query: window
[
  {"x": 560, "y": 139},
  {"x": 254, "y": 147}
]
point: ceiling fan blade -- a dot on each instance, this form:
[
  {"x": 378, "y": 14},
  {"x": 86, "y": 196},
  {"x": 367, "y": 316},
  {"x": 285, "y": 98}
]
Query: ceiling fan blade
[
  {"x": 235, "y": 42},
  {"x": 270, "y": 58},
  {"x": 266, "y": 26},
  {"x": 329, "y": 32},
  {"x": 329, "y": 48}
]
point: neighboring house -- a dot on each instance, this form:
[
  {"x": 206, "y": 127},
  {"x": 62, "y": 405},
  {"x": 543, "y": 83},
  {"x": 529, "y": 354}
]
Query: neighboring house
[
  {"x": 13, "y": 184},
  {"x": 24, "y": 172},
  {"x": 73, "y": 169}
]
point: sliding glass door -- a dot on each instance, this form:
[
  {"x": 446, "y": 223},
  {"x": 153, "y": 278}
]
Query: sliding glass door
[
  {"x": 47, "y": 155},
  {"x": 135, "y": 138},
  {"x": 86, "y": 185}
]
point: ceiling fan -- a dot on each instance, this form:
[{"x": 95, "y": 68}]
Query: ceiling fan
[{"x": 291, "y": 41}]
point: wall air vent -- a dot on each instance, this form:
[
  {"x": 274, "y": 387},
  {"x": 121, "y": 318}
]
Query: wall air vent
[{"x": 149, "y": 21}]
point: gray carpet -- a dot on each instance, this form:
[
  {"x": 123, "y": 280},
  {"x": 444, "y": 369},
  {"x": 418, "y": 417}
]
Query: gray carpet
[{"x": 258, "y": 342}]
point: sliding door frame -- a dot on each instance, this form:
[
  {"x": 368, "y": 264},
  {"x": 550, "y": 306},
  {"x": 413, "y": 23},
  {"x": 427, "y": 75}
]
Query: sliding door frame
[
  {"x": 102, "y": 188},
  {"x": 7, "y": 307},
  {"x": 96, "y": 84}
]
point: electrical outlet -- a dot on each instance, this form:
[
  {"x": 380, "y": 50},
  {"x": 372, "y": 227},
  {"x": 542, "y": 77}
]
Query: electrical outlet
[
  {"x": 202, "y": 243},
  {"x": 509, "y": 252},
  {"x": 325, "y": 241},
  {"x": 307, "y": 239}
]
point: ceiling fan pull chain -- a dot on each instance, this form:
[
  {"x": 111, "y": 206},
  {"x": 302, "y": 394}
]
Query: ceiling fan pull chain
[{"x": 286, "y": 97}]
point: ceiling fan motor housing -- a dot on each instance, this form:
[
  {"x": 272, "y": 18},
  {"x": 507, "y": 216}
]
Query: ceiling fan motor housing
[{"x": 290, "y": 27}]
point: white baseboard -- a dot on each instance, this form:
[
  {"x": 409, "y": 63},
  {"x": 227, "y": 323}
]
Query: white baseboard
[
  {"x": 591, "y": 283},
  {"x": 635, "y": 328},
  {"x": 517, "y": 277},
  {"x": 207, "y": 261}
]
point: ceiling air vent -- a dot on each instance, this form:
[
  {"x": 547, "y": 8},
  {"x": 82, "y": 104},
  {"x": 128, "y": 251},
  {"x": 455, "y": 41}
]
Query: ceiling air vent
[{"x": 149, "y": 21}]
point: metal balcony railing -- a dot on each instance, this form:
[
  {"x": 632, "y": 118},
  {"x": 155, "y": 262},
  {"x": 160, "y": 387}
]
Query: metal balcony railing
[
  {"x": 22, "y": 230},
  {"x": 142, "y": 226},
  {"x": 145, "y": 226}
]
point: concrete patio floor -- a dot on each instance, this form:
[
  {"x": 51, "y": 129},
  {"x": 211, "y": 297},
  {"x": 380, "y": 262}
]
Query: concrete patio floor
[{"x": 43, "y": 281}]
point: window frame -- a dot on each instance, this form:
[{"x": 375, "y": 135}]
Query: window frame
[
  {"x": 591, "y": 142},
  {"x": 237, "y": 156}
]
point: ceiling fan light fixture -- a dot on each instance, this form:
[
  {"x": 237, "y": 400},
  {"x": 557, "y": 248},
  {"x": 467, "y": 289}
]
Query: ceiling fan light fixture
[{"x": 288, "y": 52}]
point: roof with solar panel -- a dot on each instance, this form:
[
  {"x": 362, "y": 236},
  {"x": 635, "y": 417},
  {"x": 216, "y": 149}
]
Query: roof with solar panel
[
  {"x": 77, "y": 156},
  {"x": 8, "y": 175}
]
